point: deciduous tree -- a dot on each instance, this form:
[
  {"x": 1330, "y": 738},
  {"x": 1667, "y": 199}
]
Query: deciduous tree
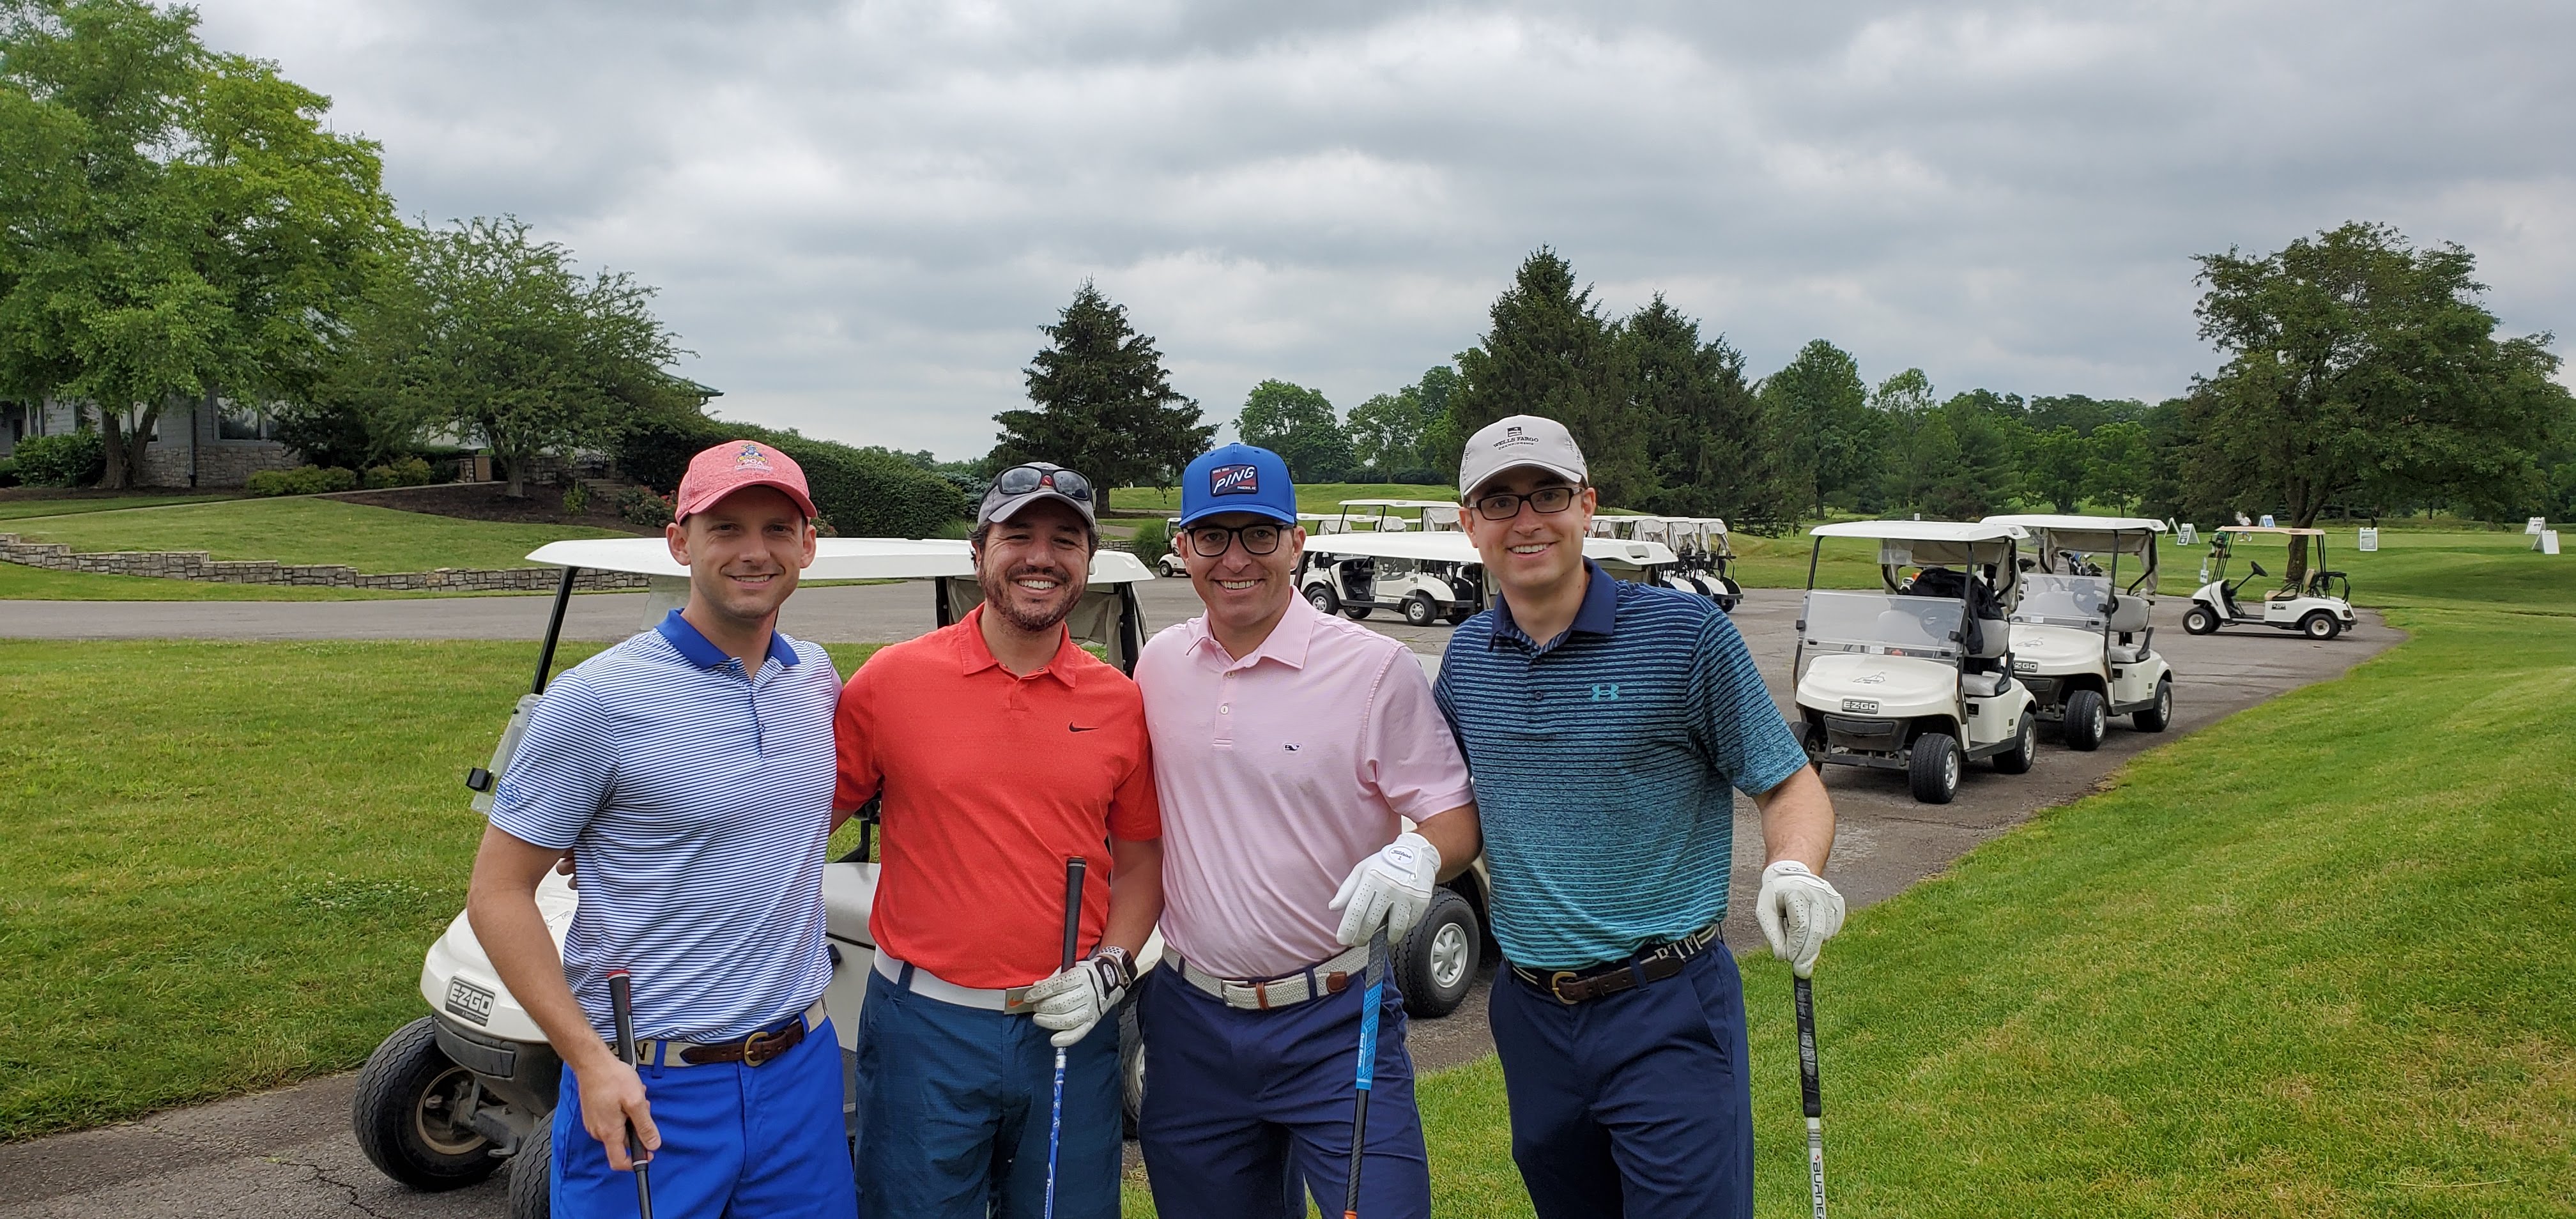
[{"x": 1299, "y": 425}]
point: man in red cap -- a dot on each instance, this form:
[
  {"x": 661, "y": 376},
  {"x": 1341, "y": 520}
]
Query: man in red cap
[{"x": 690, "y": 770}]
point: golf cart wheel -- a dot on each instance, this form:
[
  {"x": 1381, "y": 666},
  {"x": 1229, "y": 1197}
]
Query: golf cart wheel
[
  {"x": 1437, "y": 961},
  {"x": 1419, "y": 611},
  {"x": 2017, "y": 760},
  {"x": 1460, "y": 614},
  {"x": 1933, "y": 770},
  {"x": 1811, "y": 737},
  {"x": 2198, "y": 620},
  {"x": 1324, "y": 600},
  {"x": 2320, "y": 626},
  {"x": 530, "y": 1196},
  {"x": 2084, "y": 721},
  {"x": 2154, "y": 718},
  {"x": 1169, "y": 568},
  {"x": 1131, "y": 1068},
  {"x": 1356, "y": 612},
  {"x": 411, "y": 1110}
]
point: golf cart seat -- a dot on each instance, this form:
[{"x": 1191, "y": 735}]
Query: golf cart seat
[
  {"x": 1985, "y": 685},
  {"x": 2129, "y": 653},
  {"x": 2128, "y": 615}
]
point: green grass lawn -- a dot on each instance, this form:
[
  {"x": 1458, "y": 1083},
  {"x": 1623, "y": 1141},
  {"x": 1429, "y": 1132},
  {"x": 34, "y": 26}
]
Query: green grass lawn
[
  {"x": 227, "y": 859},
  {"x": 19, "y": 509},
  {"x": 302, "y": 530},
  {"x": 19, "y": 583}
]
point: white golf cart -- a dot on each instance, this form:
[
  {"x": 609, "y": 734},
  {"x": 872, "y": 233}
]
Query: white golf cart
[
  {"x": 1388, "y": 516},
  {"x": 459, "y": 1093},
  {"x": 2081, "y": 639},
  {"x": 1439, "y": 575},
  {"x": 2320, "y": 608},
  {"x": 1917, "y": 677},
  {"x": 1701, "y": 556},
  {"x": 1168, "y": 565}
]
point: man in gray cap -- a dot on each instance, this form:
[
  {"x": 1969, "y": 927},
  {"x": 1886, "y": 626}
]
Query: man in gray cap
[{"x": 1001, "y": 750}]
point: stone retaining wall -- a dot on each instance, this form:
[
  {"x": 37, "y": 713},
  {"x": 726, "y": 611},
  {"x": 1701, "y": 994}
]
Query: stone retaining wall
[{"x": 196, "y": 565}]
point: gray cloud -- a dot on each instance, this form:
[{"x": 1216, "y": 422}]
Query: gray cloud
[{"x": 858, "y": 214}]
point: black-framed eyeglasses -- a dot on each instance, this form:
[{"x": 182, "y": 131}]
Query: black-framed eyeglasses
[
  {"x": 1020, "y": 480},
  {"x": 1505, "y": 506},
  {"x": 1211, "y": 541}
]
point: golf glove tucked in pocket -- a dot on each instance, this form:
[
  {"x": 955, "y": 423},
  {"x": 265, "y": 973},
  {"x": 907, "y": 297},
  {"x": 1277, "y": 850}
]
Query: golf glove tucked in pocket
[
  {"x": 1798, "y": 912},
  {"x": 1392, "y": 887}
]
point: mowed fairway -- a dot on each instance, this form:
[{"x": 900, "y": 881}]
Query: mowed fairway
[
  {"x": 303, "y": 530},
  {"x": 227, "y": 859}
]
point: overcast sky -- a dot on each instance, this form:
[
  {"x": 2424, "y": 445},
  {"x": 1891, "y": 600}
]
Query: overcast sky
[{"x": 859, "y": 214}]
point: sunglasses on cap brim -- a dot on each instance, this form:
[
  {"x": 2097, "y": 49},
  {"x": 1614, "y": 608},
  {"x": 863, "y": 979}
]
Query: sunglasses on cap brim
[{"x": 1021, "y": 480}]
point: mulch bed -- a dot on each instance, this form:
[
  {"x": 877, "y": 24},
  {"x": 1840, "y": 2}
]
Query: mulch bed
[{"x": 490, "y": 502}]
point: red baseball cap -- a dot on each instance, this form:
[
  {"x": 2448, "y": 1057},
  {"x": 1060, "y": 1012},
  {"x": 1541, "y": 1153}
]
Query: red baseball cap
[{"x": 732, "y": 466}]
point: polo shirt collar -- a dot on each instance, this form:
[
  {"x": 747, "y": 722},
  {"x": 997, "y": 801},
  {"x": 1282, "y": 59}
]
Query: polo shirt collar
[
  {"x": 693, "y": 646},
  {"x": 975, "y": 656},
  {"x": 1287, "y": 643},
  {"x": 1598, "y": 615}
]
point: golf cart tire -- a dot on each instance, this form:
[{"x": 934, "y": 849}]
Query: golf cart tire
[
  {"x": 2199, "y": 620},
  {"x": 1416, "y": 966},
  {"x": 1356, "y": 612},
  {"x": 1419, "y": 611},
  {"x": 1324, "y": 599},
  {"x": 2025, "y": 750},
  {"x": 1933, "y": 769},
  {"x": 1131, "y": 1068},
  {"x": 2084, "y": 720},
  {"x": 2320, "y": 626},
  {"x": 1460, "y": 614},
  {"x": 393, "y": 1088},
  {"x": 2157, "y": 717},
  {"x": 531, "y": 1196}
]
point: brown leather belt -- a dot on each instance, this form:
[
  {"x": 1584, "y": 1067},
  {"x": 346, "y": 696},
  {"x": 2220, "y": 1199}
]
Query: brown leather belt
[
  {"x": 1652, "y": 964},
  {"x": 751, "y": 1051}
]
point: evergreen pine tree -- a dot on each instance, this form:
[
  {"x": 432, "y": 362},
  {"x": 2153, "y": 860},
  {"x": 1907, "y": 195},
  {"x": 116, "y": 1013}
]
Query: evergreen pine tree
[
  {"x": 1105, "y": 406},
  {"x": 1551, "y": 353}
]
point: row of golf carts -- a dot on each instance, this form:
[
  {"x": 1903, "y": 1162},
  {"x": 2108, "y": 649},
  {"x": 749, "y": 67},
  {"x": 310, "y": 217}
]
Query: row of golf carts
[{"x": 469, "y": 1089}]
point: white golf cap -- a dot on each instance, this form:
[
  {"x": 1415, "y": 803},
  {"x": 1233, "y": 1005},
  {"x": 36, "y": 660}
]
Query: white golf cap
[{"x": 1515, "y": 441}]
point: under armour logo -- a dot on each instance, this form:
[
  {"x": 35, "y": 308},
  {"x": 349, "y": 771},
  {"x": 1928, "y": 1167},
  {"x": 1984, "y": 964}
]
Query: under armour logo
[
  {"x": 1607, "y": 692},
  {"x": 1289, "y": 748}
]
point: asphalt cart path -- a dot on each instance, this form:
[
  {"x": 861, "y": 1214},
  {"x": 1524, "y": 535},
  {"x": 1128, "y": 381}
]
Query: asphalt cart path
[{"x": 288, "y": 1153}]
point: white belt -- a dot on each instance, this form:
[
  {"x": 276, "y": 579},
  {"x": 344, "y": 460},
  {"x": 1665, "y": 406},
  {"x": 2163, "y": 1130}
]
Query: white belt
[
  {"x": 669, "y": 1053},
  {"x": 1313, "y": 982},
  {"x": 931, "y": 986}
]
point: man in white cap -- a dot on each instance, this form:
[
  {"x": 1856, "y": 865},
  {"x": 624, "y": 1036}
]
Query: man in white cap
[{"x": 1608, "y": 725}]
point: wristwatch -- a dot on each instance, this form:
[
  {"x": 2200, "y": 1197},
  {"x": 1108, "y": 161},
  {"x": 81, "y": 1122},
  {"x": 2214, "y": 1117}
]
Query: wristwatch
[{"x": 1118, "y": 959}]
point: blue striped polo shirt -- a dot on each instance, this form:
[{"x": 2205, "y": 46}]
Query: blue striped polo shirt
[
  {"x": 697, "y": 803},
  {"x": 1604, "y": 763}
]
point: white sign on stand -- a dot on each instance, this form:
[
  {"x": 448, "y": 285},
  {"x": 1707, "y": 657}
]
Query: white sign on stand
[
  {"x": 2188, "y": 535},
  {"x": 2267, "y": 520},
  {"x": 2548, "y": 541},
  {"x": 2369, "y": 537},
  {"x": 2535, "y": 525}
]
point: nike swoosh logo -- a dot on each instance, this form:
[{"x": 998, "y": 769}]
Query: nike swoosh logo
[{"x": 1080, "y": 728}]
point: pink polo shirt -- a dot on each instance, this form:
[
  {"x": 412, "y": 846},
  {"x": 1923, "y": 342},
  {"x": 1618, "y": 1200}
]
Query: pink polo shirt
[{"x": 1279, "y": 772}]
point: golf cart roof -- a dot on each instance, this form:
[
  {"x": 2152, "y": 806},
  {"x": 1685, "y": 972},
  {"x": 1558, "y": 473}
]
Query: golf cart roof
[
  {"x": 2280, "y": 529},
  {"x": 2071, "y": 523},
  {"x": 834, "y": 559},
  {"x": 1454, "y": 547},
  {"x": 1922, "y": 531}
]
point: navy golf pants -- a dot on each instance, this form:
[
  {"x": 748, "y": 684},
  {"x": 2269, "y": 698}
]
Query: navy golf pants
[
  {"x": 1245, "y": 1112},
  {"x": 760, "y": 1142},
  {"x": 1636, "y": 1105},
  {"x": 954, "y": 1109}
]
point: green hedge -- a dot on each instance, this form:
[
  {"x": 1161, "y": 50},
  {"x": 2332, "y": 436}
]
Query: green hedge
[
  {"x": 302, "y": 480},
  {"x": 73, "y": 459},
  {"x": 864, "y": 494}
]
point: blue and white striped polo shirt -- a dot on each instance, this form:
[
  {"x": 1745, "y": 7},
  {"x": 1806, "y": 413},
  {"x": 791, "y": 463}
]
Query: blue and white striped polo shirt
[
  {"x": 697, "y": 805},
  {"x": 1603, "y": 763}
]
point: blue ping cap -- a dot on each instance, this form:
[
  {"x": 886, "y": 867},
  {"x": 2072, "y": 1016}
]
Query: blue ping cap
[{"x": 1238, "y": 478}]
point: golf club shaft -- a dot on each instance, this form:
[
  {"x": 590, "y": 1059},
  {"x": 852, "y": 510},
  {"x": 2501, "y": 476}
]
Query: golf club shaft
[
  {"x": 621, "y": 1005},
  {"x": 1366, "y": 1078},
  {"x": 1072, "y": 944},
  {"x": 1811, "y": 1091}
]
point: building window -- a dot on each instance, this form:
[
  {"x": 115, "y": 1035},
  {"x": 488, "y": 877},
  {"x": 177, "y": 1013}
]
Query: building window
[{"x": 243, "y": 423}]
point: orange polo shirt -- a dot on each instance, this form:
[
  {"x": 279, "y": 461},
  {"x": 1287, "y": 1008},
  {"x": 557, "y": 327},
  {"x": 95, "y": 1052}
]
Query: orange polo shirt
[{"x": 991, "y": 781}]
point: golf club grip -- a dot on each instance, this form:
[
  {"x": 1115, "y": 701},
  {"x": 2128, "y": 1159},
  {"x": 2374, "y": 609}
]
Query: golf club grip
[
  {"x": 1810, "y": 1088},
  {"x": 621, "y": 1008},
  {"x": 1072, "y": 909}
]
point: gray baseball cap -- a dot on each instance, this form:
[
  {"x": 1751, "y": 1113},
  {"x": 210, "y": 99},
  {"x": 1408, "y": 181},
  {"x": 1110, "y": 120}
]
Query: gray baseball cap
[
  {"x": 1029, "y": 482},
  {"x": 1514, "y": 441}
]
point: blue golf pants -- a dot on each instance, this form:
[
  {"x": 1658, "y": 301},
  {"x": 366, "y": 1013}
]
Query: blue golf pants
[
  {"x": 1636, "y": 1105},
  {"x": 737, "y": 1141},
  {"x": 955, "y": 1104},
  {"x": 1245, "y": 1112}
]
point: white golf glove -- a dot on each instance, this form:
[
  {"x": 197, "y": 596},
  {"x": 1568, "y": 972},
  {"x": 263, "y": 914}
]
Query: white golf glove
[
  {"x": 1798, "y": 912},
  {"x": 1391, "y": 887},
  {"x": 1071, "y": 1001}
]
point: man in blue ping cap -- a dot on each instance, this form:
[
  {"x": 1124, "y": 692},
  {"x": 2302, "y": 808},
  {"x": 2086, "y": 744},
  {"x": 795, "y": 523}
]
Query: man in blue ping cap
[{"x": 1290, "y": 748}]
